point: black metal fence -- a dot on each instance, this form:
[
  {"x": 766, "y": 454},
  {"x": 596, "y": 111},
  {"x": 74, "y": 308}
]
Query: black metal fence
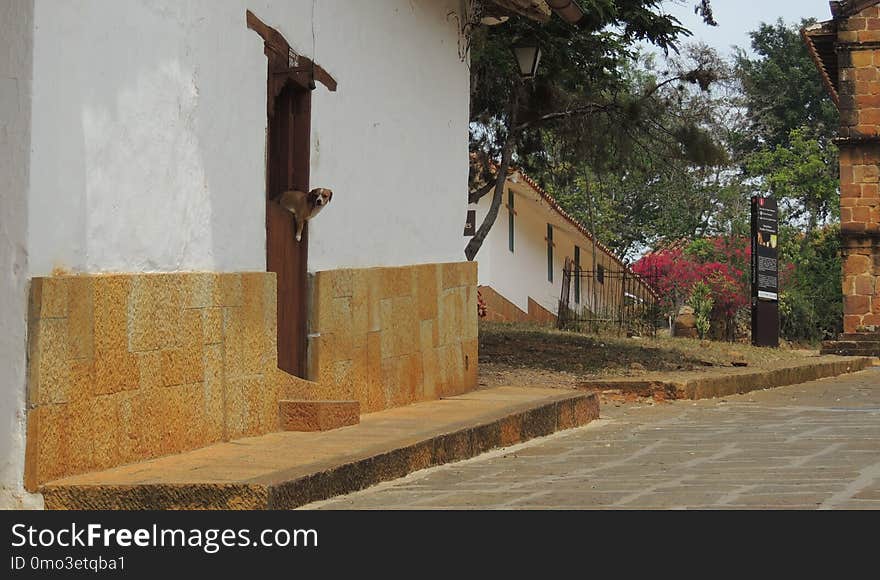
[{"x": 608, "y": 300}]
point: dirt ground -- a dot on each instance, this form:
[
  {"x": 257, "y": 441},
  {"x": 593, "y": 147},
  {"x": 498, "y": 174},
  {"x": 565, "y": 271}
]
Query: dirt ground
[{"x": 527, "y": 355}]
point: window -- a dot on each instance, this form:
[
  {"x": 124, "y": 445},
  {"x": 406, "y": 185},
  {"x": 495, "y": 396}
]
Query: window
[
  {"x": 577, "y": 277},
  {"x": 510, "y": 214},
  {"x": 549, "y": 253},
  {"x": 600, "y": 274}
]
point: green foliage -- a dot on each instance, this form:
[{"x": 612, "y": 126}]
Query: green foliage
[
  {"x": 782, "y": 88},
  {"x": 811, "y": 301},
  {"x": 701, "y": 249},
  {"x": 702, "y": 302},
  {"x": 802, "y": 172}
]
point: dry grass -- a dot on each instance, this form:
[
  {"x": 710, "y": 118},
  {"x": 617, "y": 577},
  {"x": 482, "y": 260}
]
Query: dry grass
[{"x": 550, "y": 351}]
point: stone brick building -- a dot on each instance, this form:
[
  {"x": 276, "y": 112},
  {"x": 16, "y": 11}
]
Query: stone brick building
[{"x": 846, "y": 50}]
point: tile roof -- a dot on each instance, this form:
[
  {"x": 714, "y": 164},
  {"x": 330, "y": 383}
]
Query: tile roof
[{"x": 821, "y": 41}]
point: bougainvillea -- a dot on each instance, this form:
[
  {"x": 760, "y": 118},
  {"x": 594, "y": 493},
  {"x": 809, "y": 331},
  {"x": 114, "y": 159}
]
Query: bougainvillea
[
  {"x": 720, "y": 263},
  {"x": 482, "y": 310}
]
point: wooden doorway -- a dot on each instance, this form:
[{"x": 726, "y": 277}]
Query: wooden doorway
[
  {"x": 288, "y": 168},
  {"x": 290, "y": 81}
]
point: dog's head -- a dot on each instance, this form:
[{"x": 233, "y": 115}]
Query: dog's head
[{"x": 320, "y": 196}]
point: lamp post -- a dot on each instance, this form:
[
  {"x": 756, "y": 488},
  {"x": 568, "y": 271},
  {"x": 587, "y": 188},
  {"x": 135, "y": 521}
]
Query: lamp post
[{"x": 528, "y": 55}]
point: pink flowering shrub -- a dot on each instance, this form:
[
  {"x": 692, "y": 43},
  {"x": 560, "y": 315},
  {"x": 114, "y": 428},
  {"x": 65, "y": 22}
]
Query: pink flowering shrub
[{"x": 720, "y": 263}]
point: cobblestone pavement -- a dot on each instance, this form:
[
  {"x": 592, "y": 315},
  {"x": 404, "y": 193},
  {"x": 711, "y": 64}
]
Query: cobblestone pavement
[{"x": 809, "y": 446}]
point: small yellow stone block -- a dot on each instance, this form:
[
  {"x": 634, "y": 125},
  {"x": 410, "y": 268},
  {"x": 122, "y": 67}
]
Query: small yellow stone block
[
  {"x": 198, "y": 289},
  {"x": 54, "y": 299},
  {"x": 144, "y": 314},
  {"x": 115, "y": 371},
  {"x": 428, "y": 284},
  {"x": 80, "y": 319},
  {"x": 400, "y": 326},
  {"x": 342, "y": 283},
  {"x": 376, "y": 394},
  {"x": 212, "y": 325},
  {"x": 52, "y": 381},
  {"x": 81, "y": 375},
  {"x": 227, "y": 290},
  {"x": 105, "y": 430},
  {"x": 431, "y": 373},
  {"x": 242, "y": 418},
  {"x": 182, "y": 366},
  {"x": 150, "y": 369},
  {"x": 470, "y": 358},
  {"x": 452, "y": 306},
  {"x": 456, "y": 274},
  {"x": 396, "y": 282},
  {"x": 111, "y": 295},
  {"x": 131, "y": 445}
]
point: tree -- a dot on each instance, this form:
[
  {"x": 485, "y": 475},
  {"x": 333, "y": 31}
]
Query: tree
[
  {"x": 660, "y": 172},
  {"x": 580, "y": 78},
  {"x": 782, "y": 88},
  {"x": 802, "y": 175}
]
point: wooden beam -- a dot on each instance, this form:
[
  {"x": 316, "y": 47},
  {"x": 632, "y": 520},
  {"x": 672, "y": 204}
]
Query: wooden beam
[{"x": 276, "y": 42}]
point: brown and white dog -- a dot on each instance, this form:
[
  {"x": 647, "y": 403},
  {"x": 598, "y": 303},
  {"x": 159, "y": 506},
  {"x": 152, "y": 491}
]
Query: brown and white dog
[{"x": 304, "y": 206}]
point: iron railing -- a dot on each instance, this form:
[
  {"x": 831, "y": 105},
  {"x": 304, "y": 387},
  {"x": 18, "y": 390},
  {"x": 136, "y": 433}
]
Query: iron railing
[{"x": 608, "y": 300}]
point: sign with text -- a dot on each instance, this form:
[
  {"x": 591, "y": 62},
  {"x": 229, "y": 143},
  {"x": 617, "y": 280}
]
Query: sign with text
[
  {"x": 765, "y": 271},
  {"x": 765, "y": 255}
]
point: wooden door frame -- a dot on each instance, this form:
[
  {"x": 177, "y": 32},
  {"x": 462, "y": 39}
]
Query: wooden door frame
[{"x": 296, "y": 74}]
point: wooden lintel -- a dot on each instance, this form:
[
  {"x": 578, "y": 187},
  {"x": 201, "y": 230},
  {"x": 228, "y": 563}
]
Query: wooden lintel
[{"x": 276, "y": 42}]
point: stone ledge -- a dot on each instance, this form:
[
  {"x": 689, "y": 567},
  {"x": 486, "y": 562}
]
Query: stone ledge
[
  {"x": 288, "y": 470},
  {"x": 851, "y": 348},
  {"x": 298, "y": 415},
  {"x": 721, "y": 385}
]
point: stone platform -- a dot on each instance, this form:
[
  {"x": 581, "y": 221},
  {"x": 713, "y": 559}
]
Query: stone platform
[{"x": 288, "y": 469}]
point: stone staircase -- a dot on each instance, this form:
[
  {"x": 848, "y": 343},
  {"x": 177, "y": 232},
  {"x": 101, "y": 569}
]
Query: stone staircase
[{"x": 854, "y": 344}]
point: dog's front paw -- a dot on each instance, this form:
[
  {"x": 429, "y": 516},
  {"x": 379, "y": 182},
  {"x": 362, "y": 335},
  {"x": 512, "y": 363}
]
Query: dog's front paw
[{"x": 299, "y": 237}]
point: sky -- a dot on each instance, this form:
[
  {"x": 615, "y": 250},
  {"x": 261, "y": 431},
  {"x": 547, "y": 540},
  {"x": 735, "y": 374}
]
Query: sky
[{"x": 736, "y": 18}]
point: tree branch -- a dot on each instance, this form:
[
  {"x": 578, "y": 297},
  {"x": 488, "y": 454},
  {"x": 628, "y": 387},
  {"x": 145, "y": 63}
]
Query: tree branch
[{"x": 478, "y": 194}]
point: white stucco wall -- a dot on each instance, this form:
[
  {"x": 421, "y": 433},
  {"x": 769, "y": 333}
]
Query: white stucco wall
[
  {"x": 149, "y": 131},
  {"x": 16, "y": 52},
  {"x": 522, "y": 274},
  {"x": 134, "y": 139}
]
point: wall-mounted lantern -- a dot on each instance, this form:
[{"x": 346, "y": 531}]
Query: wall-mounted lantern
[{"x": 528, "y": 55}]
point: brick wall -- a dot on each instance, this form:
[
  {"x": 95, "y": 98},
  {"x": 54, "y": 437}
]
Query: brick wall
[{"x": 859, "y": 61}]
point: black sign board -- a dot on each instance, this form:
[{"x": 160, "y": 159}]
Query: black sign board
[
  {"x": 470, "y": 224},
  {"x": 765, "y": 272}
]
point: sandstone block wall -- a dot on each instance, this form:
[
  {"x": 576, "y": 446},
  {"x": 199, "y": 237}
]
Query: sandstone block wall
[
  {"x": 123, "y": 368},
  {"x": 129, "y": 367},
  {"x": 393, "y": 336},
  {"x": 500, "y": 309}
]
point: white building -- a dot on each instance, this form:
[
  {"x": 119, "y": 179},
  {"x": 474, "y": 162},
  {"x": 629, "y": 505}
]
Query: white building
[
  {"x": 142, "y": 139},
  {"x": 523, "y": 257}
]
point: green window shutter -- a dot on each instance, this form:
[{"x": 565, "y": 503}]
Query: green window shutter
[{"x": 510, "y": 219}]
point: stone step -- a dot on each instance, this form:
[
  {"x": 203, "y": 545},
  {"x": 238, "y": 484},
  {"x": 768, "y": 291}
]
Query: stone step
[
  {"x": 298, "y": 415},
  {"x": 733, "y": 381},
  {"x": 851, "y": 348},
  {"x": 851, "y": 344},
  {"x": 860, "y": 337}
]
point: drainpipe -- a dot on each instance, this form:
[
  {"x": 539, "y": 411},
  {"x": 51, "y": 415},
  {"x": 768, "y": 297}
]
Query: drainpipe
[{"x": 568, "y": 10}]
